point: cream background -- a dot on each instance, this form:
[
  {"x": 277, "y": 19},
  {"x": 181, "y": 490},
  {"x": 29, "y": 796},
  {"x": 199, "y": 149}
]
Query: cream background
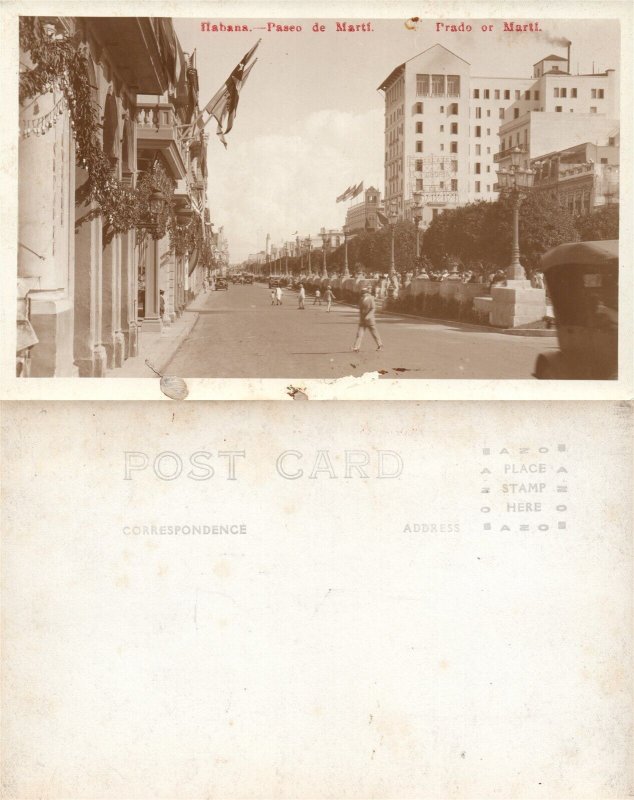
[
  {"x": 368, "y": 386},
  {"x": 326, "y": 653}
]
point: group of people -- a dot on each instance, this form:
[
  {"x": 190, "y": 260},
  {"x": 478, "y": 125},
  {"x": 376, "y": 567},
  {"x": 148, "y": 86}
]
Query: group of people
[{"x": 367, "y": 309}]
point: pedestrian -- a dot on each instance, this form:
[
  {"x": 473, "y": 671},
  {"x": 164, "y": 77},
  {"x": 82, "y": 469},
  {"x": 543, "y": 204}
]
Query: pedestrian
[
  {"x": 329, "y": 296},
  {"x": 161, "y": 303},
  {"x": 278, "y": 296},
  {"x": 302, "y": 296},
  {"x": 272, "y": 297},
  {"x": 367, "y": 320},
  {"x": 317, "y": 300}
]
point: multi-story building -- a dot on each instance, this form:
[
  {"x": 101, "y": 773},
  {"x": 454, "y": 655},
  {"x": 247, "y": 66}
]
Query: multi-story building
[
  {"x": 89, "y": 290},
  {"x": 442, "y": 125},
  {"x": 581, "y": 178},
  {"x": 363, "y": 216},
  {"x": 539, "y": 122}
]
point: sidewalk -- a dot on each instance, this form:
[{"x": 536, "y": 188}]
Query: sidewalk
[{"x": 159, "y": 348}]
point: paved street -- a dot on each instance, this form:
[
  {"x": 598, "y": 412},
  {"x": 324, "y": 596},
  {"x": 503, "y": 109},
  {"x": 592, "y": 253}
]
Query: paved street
[{"x": 239, "y": 334}]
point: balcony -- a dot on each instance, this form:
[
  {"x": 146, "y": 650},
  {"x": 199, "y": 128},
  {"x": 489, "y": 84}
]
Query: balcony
[{"x": 156, "y": 130}]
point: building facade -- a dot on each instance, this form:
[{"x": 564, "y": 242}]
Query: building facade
[
  {"x": 445, "y": 128},
  {"x": 89, "y": 288},
  {"x": 363, "y": 216},
  {"x": 581, "y": 178}
]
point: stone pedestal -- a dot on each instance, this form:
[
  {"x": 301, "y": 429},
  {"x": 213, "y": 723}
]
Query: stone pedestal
[
  {"x": 516, "y": 304},
  {"x": 52, "y": 320}
]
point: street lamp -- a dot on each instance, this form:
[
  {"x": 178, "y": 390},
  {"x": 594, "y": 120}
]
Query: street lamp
[
  {"x": 418, "y": 216},
  {"x": 346, "y": 271},
  {"x": 393, "y": 216},
  {"x": 310, "y": 270},
  {"x": 324, "y": 237},
  {"x": 513, "y": 183},
  {"x": 156, "y": 205}
]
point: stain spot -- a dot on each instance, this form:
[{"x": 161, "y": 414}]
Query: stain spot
[
  {"x": 222, "y": 569},
  {"x": 296, "y": 393}
]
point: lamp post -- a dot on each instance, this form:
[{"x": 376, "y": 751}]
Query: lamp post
[
  {"x": 393, "y": 219},
  {"x": 310, "y": 270},
  {"x": 324, "y": 271},
  {"x": 418, "y": 215},
  {"x": 346, "y": 271},
  {"x": 513, "y": 183},
  {"x": 152, "y": 302}
]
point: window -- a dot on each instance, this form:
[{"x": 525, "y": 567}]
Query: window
[
  {"x": 516, "y": 113},
  {"x": 488, "y": 112},
  {"x": 454, "y": 128},
  {"x": 527, "y": 94},
  {"x": 442, "y": 147},
  {"x": 486, "y": 94},
  {"x": 503, "y": 145},
  {"x": 418, "y": 108},
  {"x": 517, "y": 94},
  {"x": 441, "y": 184},
  {"x": 477, "y": 166},
  {"x": 604, "y": 161},
  {"x": 477, "y": 186},
  {"x": 476, "y": 94},
  {"x": 442, "y": 128},
  {"x": 497, "y": 94},
  {"x": 593, "y": 94},
  {"x": 501, "y": 113},
  {"x": 437, "y": 85},
  {"x": 600, "y": 94},
  {"x": 488, "y": 151},
  {"x": 422, "y": 85},
  {"x": 419, "y": 127},
  {"x": 442, "y": 109},
  {"x": 507, "y": 94},
  {"x": 488, "y": 168},
  {"x": 478, "y": 131},
  {"x": 419, "y": 184},
  {"x": 454, "y": 166},
  {"x": 564, "y": 92},
  {"x": 573, "y": 92},
  {"x": 536, "y": 95},
  {"x": 453, "y": 85},
  {"x": 454, "y": 184},
  {"x": 453, "y": 108},
  {"x": 478, "y": 149},
  {"x": 453, "y": 147},
  {"x": 612, "y": 141},
  {"x": 556, "y": 91},
  {"x": 419, "y": 146},
  {"x": 593, "y": 109},
  {"x": 478, "y": 112},
  {"x": 558, "y": 108},
  {"x": 419, "y": 165}
]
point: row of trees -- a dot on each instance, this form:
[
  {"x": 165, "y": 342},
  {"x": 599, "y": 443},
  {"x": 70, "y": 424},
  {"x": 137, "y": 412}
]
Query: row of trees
[{"x": 475, "y": 234}]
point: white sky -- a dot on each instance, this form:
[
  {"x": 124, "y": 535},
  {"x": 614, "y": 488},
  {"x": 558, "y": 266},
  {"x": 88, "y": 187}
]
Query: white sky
[{"x": 310, "y": 120}]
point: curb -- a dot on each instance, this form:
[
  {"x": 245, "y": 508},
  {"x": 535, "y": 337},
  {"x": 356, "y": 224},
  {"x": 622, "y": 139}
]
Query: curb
[{"x": 162, "y": 365}]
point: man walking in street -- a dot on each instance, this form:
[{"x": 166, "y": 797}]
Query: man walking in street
[
  {"x": 317, "y": 300},
  {"x": 278, "y": 296},
  {"x": 329, "y": 297},
  {"x": 302, "y": 296},
  {"x": 367, "y": 320}
]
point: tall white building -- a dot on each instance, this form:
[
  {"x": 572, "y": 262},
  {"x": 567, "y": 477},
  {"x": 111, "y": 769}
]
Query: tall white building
[{"x": 443, "y": 125}]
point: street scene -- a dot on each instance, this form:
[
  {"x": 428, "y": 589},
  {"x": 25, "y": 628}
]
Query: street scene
[
  {"x": 240, "y": 334},
  {"x": 450, "y": 210}
]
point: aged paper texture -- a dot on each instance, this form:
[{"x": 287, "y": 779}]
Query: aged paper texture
[
  {"x": 234, "y": 194},
  {"x": 223, "y": 601}
]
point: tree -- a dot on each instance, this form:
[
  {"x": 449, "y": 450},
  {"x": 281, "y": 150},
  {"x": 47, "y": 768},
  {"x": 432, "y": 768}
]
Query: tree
[{"x": 600, "y": 224}]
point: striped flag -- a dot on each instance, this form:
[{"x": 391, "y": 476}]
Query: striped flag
[
  {"x": 345, "y": 194},
  {"x": 224, "y": 104},
  {"x": 357, "y": 190}
]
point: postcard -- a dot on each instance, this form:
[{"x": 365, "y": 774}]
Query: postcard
[
  {"x": 361, "y": 203},
  {"x": 407, "y": 600}
]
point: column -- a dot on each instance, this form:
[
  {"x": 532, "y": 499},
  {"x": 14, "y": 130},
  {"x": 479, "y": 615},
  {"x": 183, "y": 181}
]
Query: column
[
  {"x": 152, "y": 318},
  {"x": 112, "y": 335},
  {"x": 45, "y": 238},
  {"x": 129, "y": 288}
]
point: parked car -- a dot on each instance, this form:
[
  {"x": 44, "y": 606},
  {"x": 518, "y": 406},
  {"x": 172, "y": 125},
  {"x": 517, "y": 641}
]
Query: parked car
[
  {"x": 221, "y": 283},
  {"x": 248, "y": 278},
  {"x": 582, "y": 279}
]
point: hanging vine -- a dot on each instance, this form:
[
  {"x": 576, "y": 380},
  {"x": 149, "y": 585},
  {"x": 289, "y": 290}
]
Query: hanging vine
[{"x": 61, "y": 63}]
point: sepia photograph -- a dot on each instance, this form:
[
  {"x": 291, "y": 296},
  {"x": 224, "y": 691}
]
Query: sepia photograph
[{"x": 318, "y": 198}]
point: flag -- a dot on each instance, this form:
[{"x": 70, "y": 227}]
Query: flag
[
  {"x": 344, "y": 195},
  {"x": 357, "y": 190},
  {"x": 382, "y": 219},
  {"x": 224, "y": 104}
]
